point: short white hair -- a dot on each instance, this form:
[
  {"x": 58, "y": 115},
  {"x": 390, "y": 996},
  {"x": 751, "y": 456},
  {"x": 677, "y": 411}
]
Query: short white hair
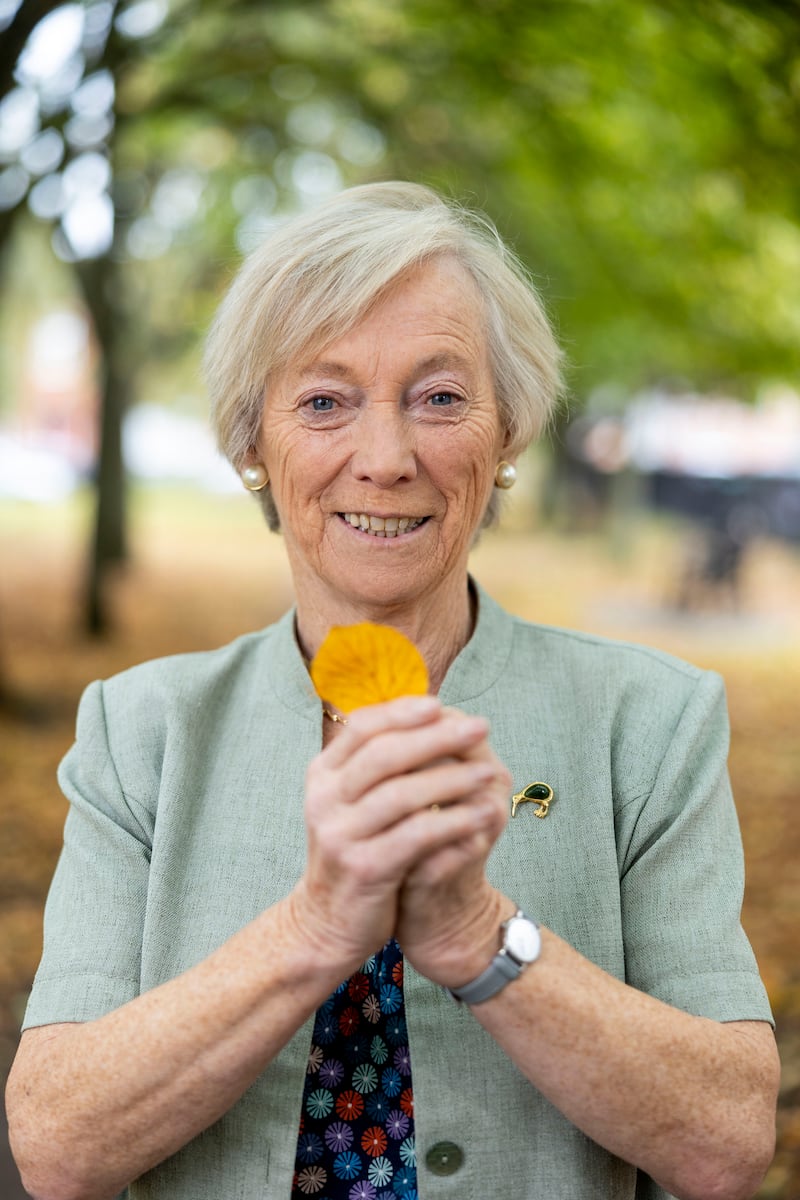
[{"x": 318, "y": 274}]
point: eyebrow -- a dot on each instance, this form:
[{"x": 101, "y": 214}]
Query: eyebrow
[{"x": 435, "y": 362}]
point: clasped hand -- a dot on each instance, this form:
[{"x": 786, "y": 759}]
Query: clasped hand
[{"x": 402, "y": 809}]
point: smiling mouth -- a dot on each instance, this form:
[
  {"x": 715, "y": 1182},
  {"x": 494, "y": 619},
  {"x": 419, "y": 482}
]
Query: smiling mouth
[{"x": 382, "y": 527}]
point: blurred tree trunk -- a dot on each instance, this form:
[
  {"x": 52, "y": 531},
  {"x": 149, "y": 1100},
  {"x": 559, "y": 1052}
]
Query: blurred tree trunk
[
  {"x": 8, "y": 698},
  {"x": 16, "y": 34},
  {"x": 100, "y": 283}
]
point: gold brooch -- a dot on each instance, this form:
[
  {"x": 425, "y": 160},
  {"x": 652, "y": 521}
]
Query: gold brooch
[{"x": 540, "y": 793}]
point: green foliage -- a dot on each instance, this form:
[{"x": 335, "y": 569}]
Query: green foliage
[{"x": 641, "y": 156}]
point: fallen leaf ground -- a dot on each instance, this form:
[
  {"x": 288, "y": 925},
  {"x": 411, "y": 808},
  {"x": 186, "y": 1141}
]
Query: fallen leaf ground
[{"x": 204, "y": 570}]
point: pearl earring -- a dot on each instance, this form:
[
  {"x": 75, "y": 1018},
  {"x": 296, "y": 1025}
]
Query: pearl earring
[
  {"x": 255, "y": 477},
  {"x": 505, "y": 476}
]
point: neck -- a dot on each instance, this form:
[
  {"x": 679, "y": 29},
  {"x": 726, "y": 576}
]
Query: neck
[{"x": 439, "y": 625}]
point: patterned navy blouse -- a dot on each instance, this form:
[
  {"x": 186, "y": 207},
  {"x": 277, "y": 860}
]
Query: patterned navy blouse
[{"x": 356, "y": 1139}]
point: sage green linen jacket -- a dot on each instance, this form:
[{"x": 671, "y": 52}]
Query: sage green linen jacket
[{"x": 186, "y": 787}]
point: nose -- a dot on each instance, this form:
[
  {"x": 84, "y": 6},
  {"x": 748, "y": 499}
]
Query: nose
[{"x": 385, "y": 448}]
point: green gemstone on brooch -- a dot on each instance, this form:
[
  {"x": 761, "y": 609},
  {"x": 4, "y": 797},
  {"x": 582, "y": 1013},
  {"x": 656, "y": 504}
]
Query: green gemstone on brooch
[{"x": 538, "y": 791}]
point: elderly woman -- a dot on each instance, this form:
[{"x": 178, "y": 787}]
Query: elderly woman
[{"x": 221, "y": 1012}]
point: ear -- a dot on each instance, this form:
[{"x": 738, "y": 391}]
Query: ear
[
  {"x": 253, "y": 455},
  {"x": 507, "y": 450}
]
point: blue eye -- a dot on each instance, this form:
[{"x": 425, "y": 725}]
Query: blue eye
[
  {"x": 442, "y": 399},
  {"x": 323, "y": 404}
]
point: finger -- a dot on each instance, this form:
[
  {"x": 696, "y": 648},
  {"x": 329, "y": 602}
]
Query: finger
[
  {"x": 408, "y": 712},
  {"x": 400, "y": 797},
  {"x": 333, "y": 827},
  {"x": 397, "y": 850},
  {"x": 399, "y": 752},
  {"x": 447, "y": 864}
]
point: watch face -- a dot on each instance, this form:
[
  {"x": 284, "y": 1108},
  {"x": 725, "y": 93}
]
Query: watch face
[{"x": 523, "y": 940}]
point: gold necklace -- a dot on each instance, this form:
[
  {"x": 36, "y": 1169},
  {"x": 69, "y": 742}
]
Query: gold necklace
[{"x": 337, "y": 720}]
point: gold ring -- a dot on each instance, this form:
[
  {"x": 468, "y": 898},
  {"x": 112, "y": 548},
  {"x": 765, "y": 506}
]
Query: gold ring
[{"x": 435, "y": 807}]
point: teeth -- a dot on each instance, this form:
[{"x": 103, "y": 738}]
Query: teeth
[{"x": 381, "y": 526}]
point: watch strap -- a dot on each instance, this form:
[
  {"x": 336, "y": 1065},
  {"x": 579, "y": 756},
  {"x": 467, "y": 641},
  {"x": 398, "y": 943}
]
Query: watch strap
[
  {"x": 503, "y": 969},
  {"x": 500, "y": 971}
]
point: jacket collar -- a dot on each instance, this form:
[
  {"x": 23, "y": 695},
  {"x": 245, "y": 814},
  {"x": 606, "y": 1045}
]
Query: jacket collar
[{"x": 474, "y": 670}]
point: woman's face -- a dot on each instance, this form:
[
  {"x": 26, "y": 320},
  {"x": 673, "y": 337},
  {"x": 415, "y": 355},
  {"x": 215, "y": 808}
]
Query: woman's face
[{"x": 381, "y": 447}]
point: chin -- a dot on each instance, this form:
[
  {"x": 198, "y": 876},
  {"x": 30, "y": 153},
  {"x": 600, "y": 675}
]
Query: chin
[{"x": 385, "y": 591}]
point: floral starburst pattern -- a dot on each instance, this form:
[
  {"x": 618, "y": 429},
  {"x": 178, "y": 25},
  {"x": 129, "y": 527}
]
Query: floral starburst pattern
[
  {"x": 314, "y": 1059},
  {"x": 356, "y": 1139},
  {"x": 311, "y": 1180},
  {"x": 371, "y": 1009}
]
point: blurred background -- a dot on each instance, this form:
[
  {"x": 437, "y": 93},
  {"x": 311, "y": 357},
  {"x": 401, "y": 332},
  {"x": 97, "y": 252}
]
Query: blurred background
[{"x": 642, "y": 157}]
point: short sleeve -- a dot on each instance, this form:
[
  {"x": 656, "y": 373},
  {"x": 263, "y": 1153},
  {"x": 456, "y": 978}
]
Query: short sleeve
[
  {"x": 95, "y": 909},
  {"x": 682, "y": 874}
]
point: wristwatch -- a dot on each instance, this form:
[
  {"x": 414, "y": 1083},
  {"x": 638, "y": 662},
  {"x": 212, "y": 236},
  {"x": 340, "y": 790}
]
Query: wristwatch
[{"x": 522, "y": 944}]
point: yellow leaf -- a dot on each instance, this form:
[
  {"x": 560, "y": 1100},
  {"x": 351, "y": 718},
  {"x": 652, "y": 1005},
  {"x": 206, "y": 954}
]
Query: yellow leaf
[{"x": 367, "y": 664}]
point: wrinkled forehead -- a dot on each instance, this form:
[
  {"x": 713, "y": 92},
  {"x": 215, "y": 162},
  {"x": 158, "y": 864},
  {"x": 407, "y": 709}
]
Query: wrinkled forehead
[{"x": 447, "y": 279}]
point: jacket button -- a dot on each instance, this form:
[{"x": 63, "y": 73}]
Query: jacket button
[{"x": 444, "y": 1158}]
